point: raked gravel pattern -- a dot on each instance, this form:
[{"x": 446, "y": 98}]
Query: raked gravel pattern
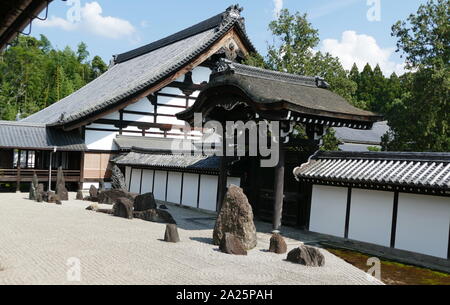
[{"x": 37, "y": 239}]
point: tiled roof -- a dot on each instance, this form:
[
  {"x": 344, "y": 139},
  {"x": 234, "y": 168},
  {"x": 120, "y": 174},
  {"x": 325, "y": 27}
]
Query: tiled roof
[
  {"x": 137, "y": 70},
  {"x": 368, "y": 137},
  {"x": 126, "y": 143},
  {"x": 38, "y": 136},
  {"x": 143, "y": 158},
  {"x": 306, "y": 99},
  {"x": 419, "y": 170}
]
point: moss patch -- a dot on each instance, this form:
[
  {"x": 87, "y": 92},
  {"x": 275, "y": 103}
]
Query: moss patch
[{"x": 393, "y": 273}]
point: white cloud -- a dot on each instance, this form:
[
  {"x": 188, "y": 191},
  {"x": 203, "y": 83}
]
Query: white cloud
[
  {"x": 362, "y": 49},
  {"x": 278, "y": 7},
  {"x": 92, "y": 21}
]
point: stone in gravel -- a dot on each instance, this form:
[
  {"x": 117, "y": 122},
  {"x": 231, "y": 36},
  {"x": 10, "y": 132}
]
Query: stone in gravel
[
  {"x": 153, "y": 215},
  {"x": 163, "y": 207},
  {"x": 118, "y": 180},
  {"x": 110, "y": 196},
  {"x": 236, "y": 217},
  {"x": 52, "y": 197},
  {"x": 93, "y": 192},
  {"x": 171, "y": 234},
  {"x": 61, "y": 189},
  {"x": 40, "y": 193},
  {"x": 144, "y": 202},
  {"x": 92, "y": 207},
  {"x": 230, "y": 244},
  {"x": 34, "y": 187},
  {"x": 123, "y": 208},
  {"x": 58, "y": 202},
  {"x": 39, "y": 197},
  {"x": 106, "y": 211},
  {"x": 277, "y": 244},
  {"x": 80, "y": 195},
  {"x": 307, "y": 256}
]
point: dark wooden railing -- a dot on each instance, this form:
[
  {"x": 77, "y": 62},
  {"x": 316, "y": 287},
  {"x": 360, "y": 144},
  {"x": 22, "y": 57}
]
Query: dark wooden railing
[{"x": 26, "y": 175}]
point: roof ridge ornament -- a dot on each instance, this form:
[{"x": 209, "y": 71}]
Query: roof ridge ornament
[
  {"x": 321, "y": 83},
  {"x": 223, "y": 65},
  {"x": 232, "y": 13}
]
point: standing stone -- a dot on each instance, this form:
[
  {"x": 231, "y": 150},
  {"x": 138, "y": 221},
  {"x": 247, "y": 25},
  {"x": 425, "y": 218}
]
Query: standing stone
[
  {"x": 93, "y": 193},
  {"x": 236, "y": 217},
  {"x": 171, "y": 234},
  {"x": 230, "y": 244},
  {"x": 110, "y": 196},
  {"x": 79, "y": 195},
  {"x": 40, "y": 193},
  {"x": 144, "y": 202},
  {"x": 123, "y": 208},
  {"x": 34, "y": 187},
  {"x": 277, "y": 244},
  {"x": 154, "y": 215},
  {"x": 118, "y": 180},
  {"x": 61, "y": 189},
  {"x": 307, "y": 256}
]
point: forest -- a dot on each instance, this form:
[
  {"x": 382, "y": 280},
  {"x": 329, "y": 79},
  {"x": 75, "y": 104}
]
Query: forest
[{"x": 34, "y": 75}]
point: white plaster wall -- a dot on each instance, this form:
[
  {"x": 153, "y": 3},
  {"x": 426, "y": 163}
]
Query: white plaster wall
[
  {"x": 100, "y": 140},
  {"x": 328, "y": 209},
  {"x": 135, "y": 180},
  {"x": 371, "y": 216},
  {"x": 208, "y": 192},
  {"x": 200, "y": 74},
  {"x": 174, "y": 187},
  {"x": 423, "y": 224},
  {"x": 147, "y": 181},
  {"x": 190, "y": 190},
  {"x": 233, "y": 180},
  {"x": 160, "y": 185},
  {"x": 127, "y": 176},
  {"x": 143, "y": 105}
]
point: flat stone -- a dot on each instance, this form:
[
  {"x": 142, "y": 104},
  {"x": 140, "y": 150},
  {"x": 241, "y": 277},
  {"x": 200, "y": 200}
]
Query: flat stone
[
  {"x": 307, "y": 256},
  {"x": 236, "y": 217},
  {"x": 154, "y": 215},
  {"x": 171, "y": 234},
  {"x": 277, "y": 244},
  {"x": 230, "y": 244},
  {"x": 110, "y": 196}
]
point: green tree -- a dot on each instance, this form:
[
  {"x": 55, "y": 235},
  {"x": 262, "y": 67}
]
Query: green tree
[
  {"x": 420, "y": 120},
  {"x": 292, "y": 51}
]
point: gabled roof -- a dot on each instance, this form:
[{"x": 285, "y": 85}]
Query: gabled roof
[
  {"x": 302, "y": 98},
  {"x": 137, "y": 70},
  {"x": 22, "y": 135},
  {"x": 429, "y": 172}
]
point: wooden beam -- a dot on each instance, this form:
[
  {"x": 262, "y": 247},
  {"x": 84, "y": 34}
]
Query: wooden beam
[
  {"x": 152, "y": 89},
  {"x": 347, "y": 212},
  {"x": 394, "y": 220}
]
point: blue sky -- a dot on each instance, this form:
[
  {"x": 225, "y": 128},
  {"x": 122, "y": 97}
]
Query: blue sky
[{"x": 112, "y": 26}]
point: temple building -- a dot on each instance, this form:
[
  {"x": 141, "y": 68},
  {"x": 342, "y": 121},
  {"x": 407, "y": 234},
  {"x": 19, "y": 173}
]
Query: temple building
[{"x": 141, "y": 116}]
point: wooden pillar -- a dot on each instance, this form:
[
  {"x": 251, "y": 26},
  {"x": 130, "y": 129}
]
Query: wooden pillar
[
  {"x": 18, "y": 177},
  {"x": 279, "y": 188}
]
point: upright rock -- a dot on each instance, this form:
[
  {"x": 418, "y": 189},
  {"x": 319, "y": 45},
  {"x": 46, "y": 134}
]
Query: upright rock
[
  {"x": 236, "y": 217},
  {"x": 61, "y": 189},
  {"x": 40, "y": 193},
  {"x": 93, "y": 193},
  {"x": 277, "y": 244},
  {"x": 171, "y": 234},
  {"x": 34, "y": 187},
  {"x": 123, "y": 208},
  {"x": 144, "y": 202},
  {"x": 230, "y": 244},
  {"x": 52, "y": 197},
  {"x": 80, "y": 195},
  {"x": 118, "y": 180},
  {"x": 307, "y": 256}
]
